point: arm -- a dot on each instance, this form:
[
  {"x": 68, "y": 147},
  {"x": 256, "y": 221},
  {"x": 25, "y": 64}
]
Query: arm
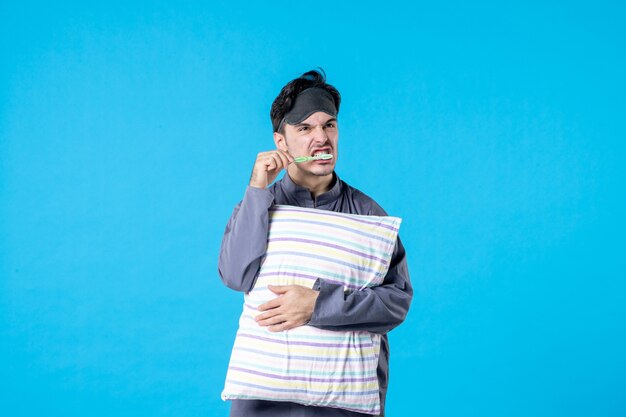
[
  {"x": 376, "y": 309},
  {"x": 245, "y": 240}
]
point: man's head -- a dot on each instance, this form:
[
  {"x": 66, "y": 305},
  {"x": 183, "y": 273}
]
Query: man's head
[
  {"x": 304, "y": 118},
  {"x": 324, "y": 96}
]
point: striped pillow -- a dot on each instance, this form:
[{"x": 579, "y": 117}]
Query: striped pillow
[{"x": 308, "y": 365}]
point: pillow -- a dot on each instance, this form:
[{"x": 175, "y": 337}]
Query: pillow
[{"x": 308, "y": 365}]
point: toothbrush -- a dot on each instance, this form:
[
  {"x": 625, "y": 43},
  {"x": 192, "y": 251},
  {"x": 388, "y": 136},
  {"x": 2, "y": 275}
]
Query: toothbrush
[{"x": 312, "y": 158}]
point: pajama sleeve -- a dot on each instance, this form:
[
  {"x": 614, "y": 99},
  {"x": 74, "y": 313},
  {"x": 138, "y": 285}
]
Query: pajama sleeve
[
  {"x": 377, "y": 309},
  {"x": 245, "y": 240}
]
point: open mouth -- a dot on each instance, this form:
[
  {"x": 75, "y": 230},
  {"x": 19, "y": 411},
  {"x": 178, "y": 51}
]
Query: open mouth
[{"x": 321, "y": 152}]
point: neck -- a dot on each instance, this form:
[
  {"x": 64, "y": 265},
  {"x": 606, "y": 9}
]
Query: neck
[{"x": 317, "y": 185}]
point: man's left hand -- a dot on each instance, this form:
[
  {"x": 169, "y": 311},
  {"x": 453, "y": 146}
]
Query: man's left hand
[{"x": 292, "y": 308}]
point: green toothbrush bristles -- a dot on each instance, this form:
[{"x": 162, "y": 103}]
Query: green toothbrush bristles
[{"x": 313, "y": 158}]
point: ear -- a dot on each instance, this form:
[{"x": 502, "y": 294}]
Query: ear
[{"x": 281, "y": 141}]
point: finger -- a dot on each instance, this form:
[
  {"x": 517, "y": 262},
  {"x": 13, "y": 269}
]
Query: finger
[
  {"x": 271, "y": 321},
  {"x": 285, "y": 153},
  {"x": 272, "y": 304},
  {"x": 268, "y": 314},
  {"x": 287, "y": 159},
  {"x": 278, "y": 163},
  {"x": 270, "y": 163},
  {"x": 263, "y": 157},
  {"x": 280, "y": 327},
  {"x": 279, "y": 289},
  {"x": 281, "y": 158}
]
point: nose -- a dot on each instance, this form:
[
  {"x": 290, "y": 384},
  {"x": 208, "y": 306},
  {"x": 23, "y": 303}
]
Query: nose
[{"x": 320, "y": 135}]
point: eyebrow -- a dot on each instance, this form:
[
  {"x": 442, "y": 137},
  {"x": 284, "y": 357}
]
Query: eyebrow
[{"x": 334, "y": 119}]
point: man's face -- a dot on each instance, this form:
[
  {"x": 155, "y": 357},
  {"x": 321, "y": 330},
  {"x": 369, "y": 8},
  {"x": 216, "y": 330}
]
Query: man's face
[{"x": 318, "y": 133}]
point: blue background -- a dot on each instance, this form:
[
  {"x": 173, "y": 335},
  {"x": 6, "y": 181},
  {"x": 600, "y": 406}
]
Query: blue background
[{"x": 494, "y": 129}]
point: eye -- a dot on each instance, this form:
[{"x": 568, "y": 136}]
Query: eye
[
  {"x": 303, "y": 128},
  {"x": 331, "y": 124}
]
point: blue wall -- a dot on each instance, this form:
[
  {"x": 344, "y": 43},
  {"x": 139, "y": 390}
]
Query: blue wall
[{"x": 128, "y": 133}]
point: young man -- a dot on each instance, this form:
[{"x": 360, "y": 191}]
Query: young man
[{"x": 304, "y": 119}]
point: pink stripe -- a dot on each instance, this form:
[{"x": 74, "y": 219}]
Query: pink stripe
[{"x": 303, "y": 378}]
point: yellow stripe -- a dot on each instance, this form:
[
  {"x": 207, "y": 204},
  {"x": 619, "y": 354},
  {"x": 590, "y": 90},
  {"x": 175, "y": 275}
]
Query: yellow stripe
[
  {"x": 304, "y": 364},
  {"x": 304, "y": 372},
  {"x": 319, "y": 352},
  {"x": 326, "y": 251}
]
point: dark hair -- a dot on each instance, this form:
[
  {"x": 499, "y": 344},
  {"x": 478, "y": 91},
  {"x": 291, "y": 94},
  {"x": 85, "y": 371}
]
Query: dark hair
[{"x": 287, "y": 96}]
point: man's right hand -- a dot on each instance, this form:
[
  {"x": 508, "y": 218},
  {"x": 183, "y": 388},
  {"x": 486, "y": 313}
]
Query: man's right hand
[{"x": 267, "y": 167}]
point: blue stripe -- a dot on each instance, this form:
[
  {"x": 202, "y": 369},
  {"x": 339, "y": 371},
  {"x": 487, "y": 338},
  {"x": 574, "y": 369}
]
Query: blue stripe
[
  {"x": 302, "y": 372},
  {"x": 324, "y": 258},
  {"x": 306, "y": 358},
  {"x": 358, "y": 338},
  {"x": 344, "y": 242}
]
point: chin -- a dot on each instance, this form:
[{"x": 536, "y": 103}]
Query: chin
[{"x": 324, "y": 172}]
